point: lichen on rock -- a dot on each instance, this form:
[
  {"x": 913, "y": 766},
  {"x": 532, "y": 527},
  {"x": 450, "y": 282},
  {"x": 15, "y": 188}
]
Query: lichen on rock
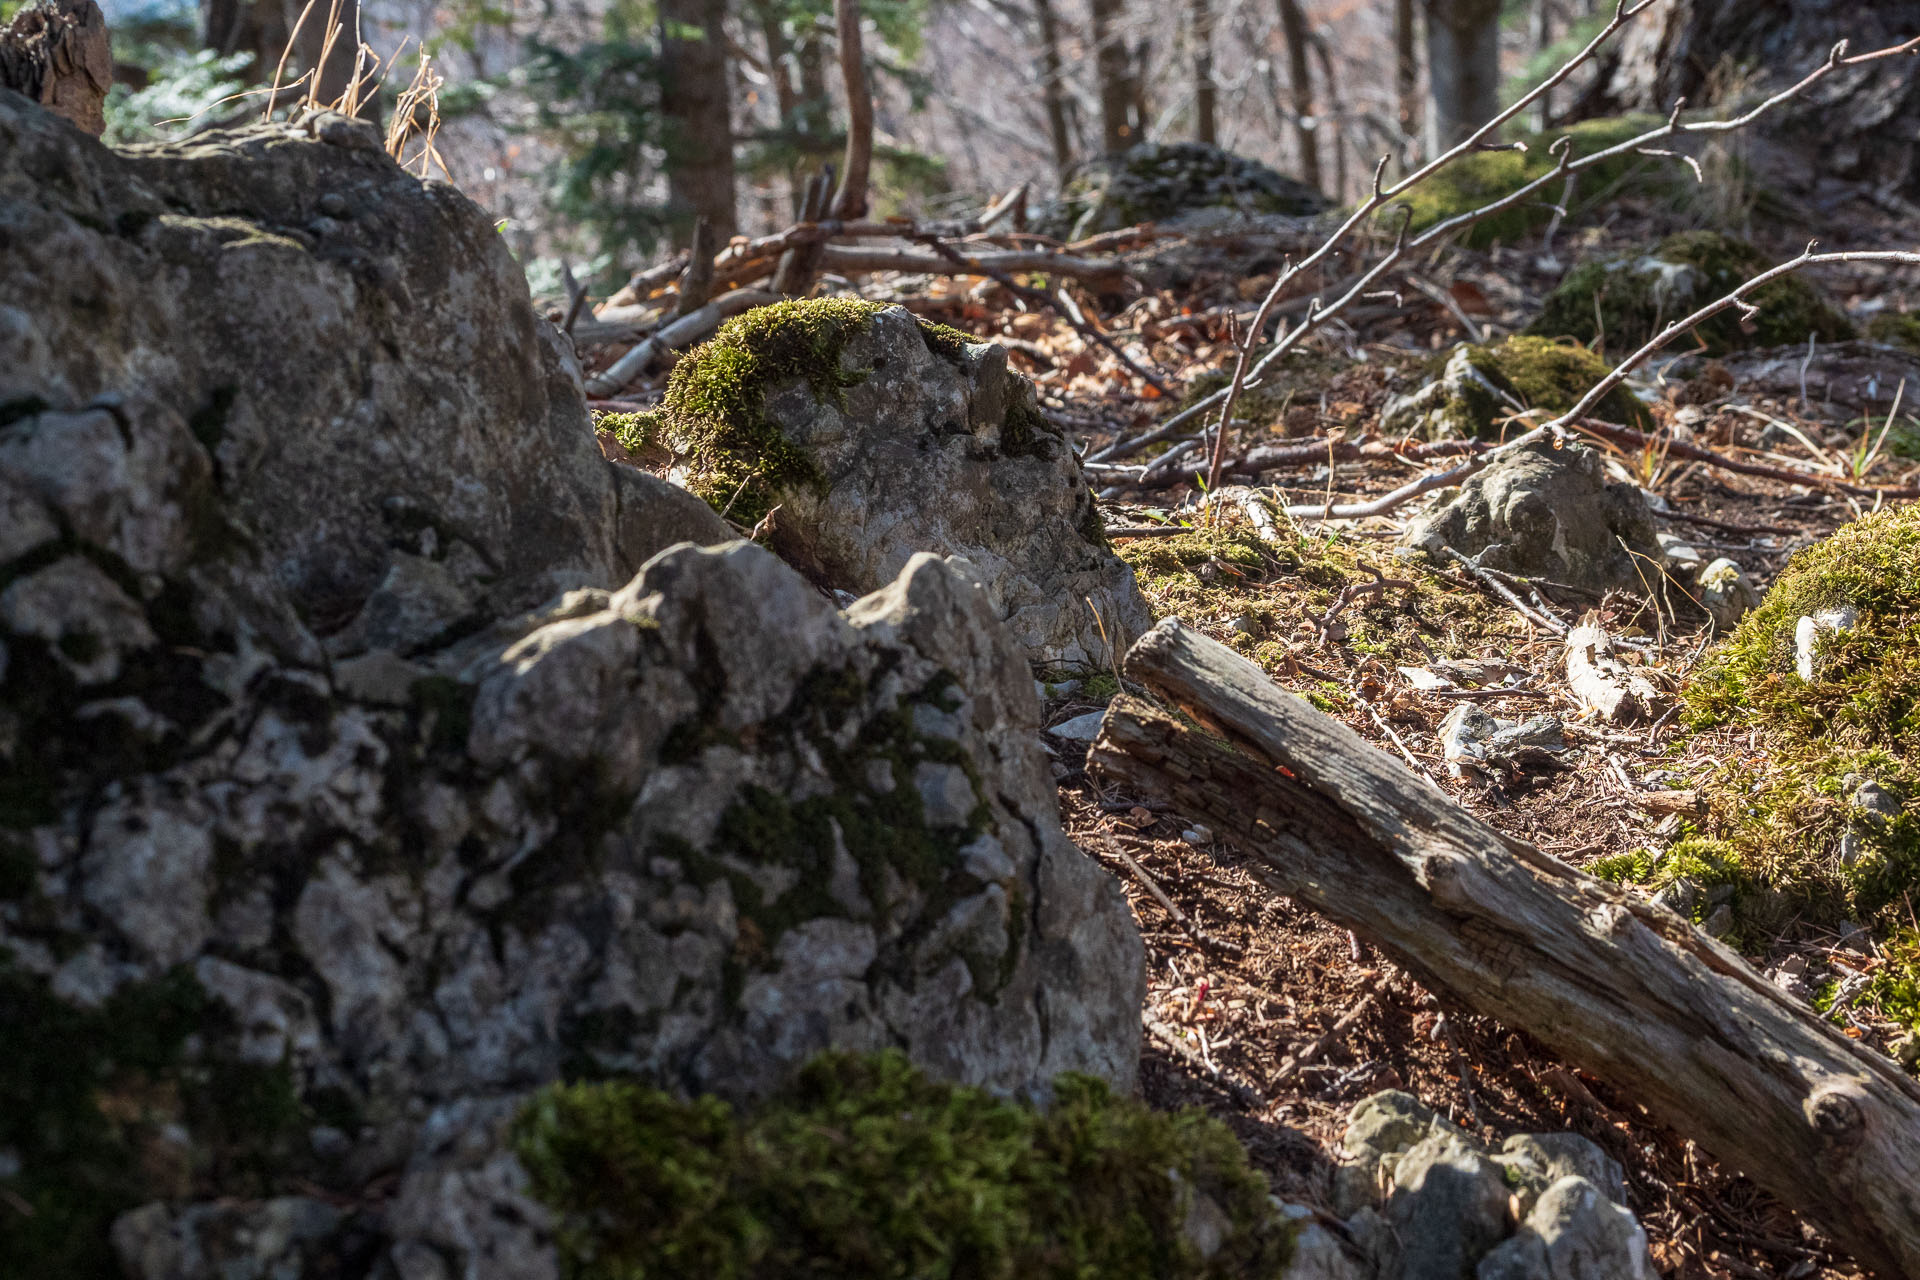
[
  {"x": 865, "y": 1167},
  {"x": 1621, "y": 302}
]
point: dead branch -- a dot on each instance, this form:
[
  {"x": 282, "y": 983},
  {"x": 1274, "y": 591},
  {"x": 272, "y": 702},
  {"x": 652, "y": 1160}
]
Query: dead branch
[
  {"x": 1095, "y": 271},
  {"x": 683, "y": 332},
  {"x": 1603, "y": 683},
  {"x": 1621, "y": 988}
]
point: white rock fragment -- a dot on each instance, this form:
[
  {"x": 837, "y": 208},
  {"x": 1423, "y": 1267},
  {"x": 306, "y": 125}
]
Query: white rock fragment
[{"x": 1807, "y": 635}]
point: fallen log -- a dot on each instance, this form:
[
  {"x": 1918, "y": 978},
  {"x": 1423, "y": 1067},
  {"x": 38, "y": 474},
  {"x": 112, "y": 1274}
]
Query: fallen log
[
  {"x": 1622, "y": 988},
  {"x": 685, "y": 331}
]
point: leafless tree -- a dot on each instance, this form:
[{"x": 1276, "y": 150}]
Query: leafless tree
[
  {"x": 1463, "y": 69},
  {"x": 696, "y": 106}
]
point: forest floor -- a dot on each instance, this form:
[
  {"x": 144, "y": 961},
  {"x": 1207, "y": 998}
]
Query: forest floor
[{"x": 1245, "y": 987}]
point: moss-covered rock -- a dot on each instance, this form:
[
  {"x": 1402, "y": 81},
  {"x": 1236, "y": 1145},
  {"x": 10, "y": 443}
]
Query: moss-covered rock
[
  {"x": 878, "y": 436},
  {"x": 1820, "y": 822},
  {"x": 865, "y": 1167},
  {"x": 1159, "y": 180},
  {"x": 1497, "y": 390},
  {"x": 1621, "y": 302},
  {"x": 1477, "y": 180},
  {"x": 1895, "y": 329}
]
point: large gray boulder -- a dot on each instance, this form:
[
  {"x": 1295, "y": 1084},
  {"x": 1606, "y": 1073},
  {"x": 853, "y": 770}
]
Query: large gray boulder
[
  {"x": 870, "y": 436},
  {"x": 1548, "y": 511},
  {"x": 352, "y": 784}
]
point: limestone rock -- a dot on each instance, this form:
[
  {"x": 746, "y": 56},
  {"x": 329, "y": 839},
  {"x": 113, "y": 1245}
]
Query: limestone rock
[
  {"x": 353, "y": 783},
  {"x": 887, "y": 439},
  {"x": 1727, "y": 593},
  {"x": 1161, "y": 180},
  {"x": 1574, "y": 1232},
  {"x": 1548, "y": 512},
  {"x": 1482, "y": 390}
]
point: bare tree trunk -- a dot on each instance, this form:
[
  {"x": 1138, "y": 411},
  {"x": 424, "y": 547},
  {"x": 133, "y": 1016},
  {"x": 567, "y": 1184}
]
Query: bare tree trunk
[
  {"x": 56, "y": 52},
  {"x": 1110, "y": 66},
  {"x": 1406, "y": 76},
  {"x": 1205, "y": 92},
  {"x": 852, "y": 201},
  {"x": 330, "y": 81},
  {"x": 1620, "y": 987},
  {"x": 1139, "y": 114},
  {"x": 259, "y": 27},
  {"x": 1540, "y": 23},
  {"x": 1336, "y": 117},
  {"x": 1052, "y": 88},
  {"x": 778, "y": 48},
  {"x": 1294, "y": 25},
  {"x": 1463, "y": 69},
  {"x": 1862, "y": 125},
  {"x": 695, "y": 106}
]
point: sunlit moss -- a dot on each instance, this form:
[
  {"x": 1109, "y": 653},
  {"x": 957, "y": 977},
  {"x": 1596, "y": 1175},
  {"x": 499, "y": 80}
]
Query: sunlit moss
[{"x": 865, "y": 1167}]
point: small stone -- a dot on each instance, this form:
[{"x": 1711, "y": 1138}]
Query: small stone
[
  {"x": 1079, "y": 729},
  {"x": 1680, "y": 896},
  {"x": 1197, "y": 835},
  {"x": 1719, "y": 922},
  {"x": 1906, "y": 1049},
  {"x": 334, "y": 205},
  {"x": 1246, "y": 625},
  {"x": 1727, "y": 593},
  {"x": 1807, "y": 635}
]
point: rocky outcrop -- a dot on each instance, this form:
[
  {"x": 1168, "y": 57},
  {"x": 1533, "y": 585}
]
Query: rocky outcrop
[
  {"x": 1548, "y": 512},
  {"x": 1158, "y": 181},
  {"x": 877, "y": 436},
  {"x": 354, "y": 784}
]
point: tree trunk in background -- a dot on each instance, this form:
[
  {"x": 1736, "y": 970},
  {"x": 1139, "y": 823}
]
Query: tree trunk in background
[
  {"x": 331, "y": 80},
  {"x": 56, "y": 52},
  {"x": 1333, "y": 123},
  {"x": 851, "y": 203},
  {"x": 1052, "y": 90},
  {"x": 1406, "y": 76},
  {"x": 694, "y": 106},
  {"x": 1110, "y": 66},
  {"x": 1540, "y": 31},
  {"x": 261, "y": 28},
  {"x": 1205, "y": 92},
  {"x": 1862, "y": 124},
  {"x": 1294, "y": 25},
  {"x": 1463, "y": 69}
]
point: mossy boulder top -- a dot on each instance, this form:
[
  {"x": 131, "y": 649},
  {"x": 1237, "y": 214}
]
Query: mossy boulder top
[
  {"x": 1623, "y": 301},
  {"x": 1502, "y": 390},
  {"x": 1158, "y": 181},
  {"x": 878, "y": 436},
  {"x": 354, "y": 785}
]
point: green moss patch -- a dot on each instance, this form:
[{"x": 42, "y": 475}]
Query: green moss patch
[
  {"x": 1619, "y": 303},
  {"x": 90, "y": 1100},
  {"x": 864, "y": 1167},
  {"x": 1477, "y": 180},
  {"x": 1546, "y": 376},
  {"x": 1254, "y": 595},
  {"x": 1896, "y": 329},
  {"x": 1784, "y": 823},
  {"x": 714, "y": 413}
]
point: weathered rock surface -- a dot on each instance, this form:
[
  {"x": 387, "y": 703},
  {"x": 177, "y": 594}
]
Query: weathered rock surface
[
  {"x": 932, "y": 444},
  {"x": 1548, "y": 512},
  {"x": 353, "y": 785},
  {"x": 1427, "y": 1201},
  {"x": 1488, "y": 391},
  {"x": 1161, "y": 180}
]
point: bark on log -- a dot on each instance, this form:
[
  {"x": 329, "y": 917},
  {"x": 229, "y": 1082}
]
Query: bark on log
[
  {"x": 56, "y": 53},
  {"x": 1624, "y": 989}
]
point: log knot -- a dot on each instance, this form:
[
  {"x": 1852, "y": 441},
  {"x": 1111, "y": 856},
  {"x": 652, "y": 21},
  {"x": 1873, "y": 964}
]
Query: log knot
[{"x": 1835, "y": 1113}]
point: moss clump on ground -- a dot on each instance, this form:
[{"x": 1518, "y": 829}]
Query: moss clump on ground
[
  {"x": 1620, "y": 303},
  {"x": 1896, "y": 329},
  {"x": 1477, "y": 180},
  {"x": 1779, "y": 819},
  {"x": 714, "y": 413},
  {"x": 1255, "y": 595},
  {"x": 90, "y": 1100},
  {"x": 864, "y": 1167}
]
